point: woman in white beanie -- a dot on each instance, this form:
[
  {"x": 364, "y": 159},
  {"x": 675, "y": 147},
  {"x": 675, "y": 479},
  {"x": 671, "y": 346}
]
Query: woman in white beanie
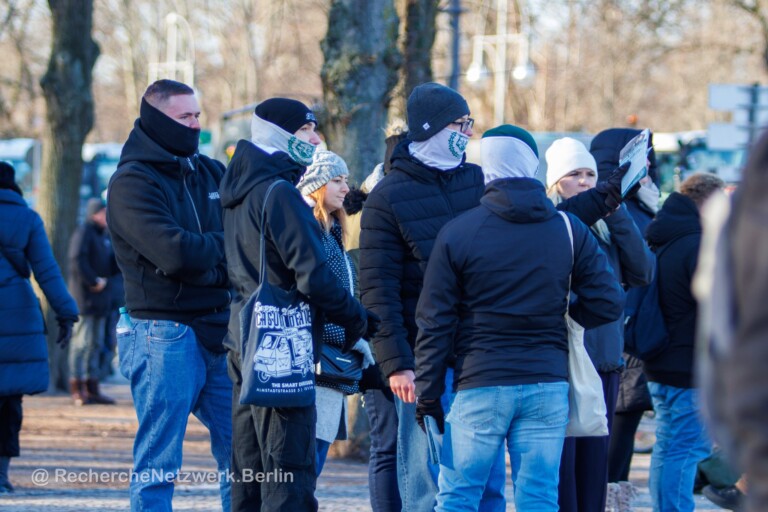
[
  {"x": 324, "y": 186},
  {"x": 571, "y": 169}
]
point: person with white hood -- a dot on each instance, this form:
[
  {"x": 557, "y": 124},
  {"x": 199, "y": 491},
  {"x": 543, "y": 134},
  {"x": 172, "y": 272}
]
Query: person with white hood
[
  {"x": 494, "y": 300},
  {"x": 270, "y": 440},
  {"x": 571, "y": 169}
]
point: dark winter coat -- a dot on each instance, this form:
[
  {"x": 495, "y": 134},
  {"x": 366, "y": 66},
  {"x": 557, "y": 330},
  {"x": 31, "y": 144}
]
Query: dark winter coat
[
  {"x": 400, "y": 221},
  {"x": 164, "y": 216},
  {"x": 91, "y": 256},
  {"x": 294, "y": 251},
  {"x": 676, "y": 229},
  {"x": 495, "y": 292},
  {"x": 23, "y": 349},
  {"x": 632, "y": 264}
]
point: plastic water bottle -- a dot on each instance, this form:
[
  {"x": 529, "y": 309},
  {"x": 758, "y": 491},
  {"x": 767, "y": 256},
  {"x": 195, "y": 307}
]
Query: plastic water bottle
[{"x": 124, "y": 324}]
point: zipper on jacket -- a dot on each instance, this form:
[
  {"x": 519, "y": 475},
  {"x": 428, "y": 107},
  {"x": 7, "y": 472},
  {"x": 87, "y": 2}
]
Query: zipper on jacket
[
  {"x": 194, "y": 209},
  {"x": 445, "y": 196}
]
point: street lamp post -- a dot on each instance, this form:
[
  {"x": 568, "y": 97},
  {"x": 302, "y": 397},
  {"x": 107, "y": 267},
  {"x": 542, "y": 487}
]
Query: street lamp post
[
  {"x": 523, "y": 73},
  {"x": 179, "y": 53}
]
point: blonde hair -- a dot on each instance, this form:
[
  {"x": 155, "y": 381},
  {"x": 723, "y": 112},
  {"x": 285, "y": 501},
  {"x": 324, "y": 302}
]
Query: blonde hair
[
  {"x": 599, "y": 228},
  {"x": 325, "y": 217}
]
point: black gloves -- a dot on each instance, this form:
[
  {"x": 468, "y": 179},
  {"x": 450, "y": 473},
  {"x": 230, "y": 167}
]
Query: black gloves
[
  {"x": 430, "y": 408},
  {"x": 611, "y": 187},
  {"x": 65, "y": 330}
]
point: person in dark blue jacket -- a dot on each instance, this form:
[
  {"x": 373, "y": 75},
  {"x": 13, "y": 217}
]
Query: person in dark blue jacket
[
  {"x": 92, "y": 265},
  {"x": 571, "y": 169},
  {"x": 494, "y": 301},
  {"x": 681, "y": 439},
  {"x": 633, "y": 397},
  {"x": 23, "y": 350}
]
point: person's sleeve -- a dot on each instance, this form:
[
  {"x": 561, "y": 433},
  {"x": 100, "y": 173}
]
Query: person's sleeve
[
  {"x": 600, "y": 297},
  {"x": 297, "y": 238},
  {"x": 138, "y": 213},
  {"x": 589, "y": 206},
  {"x": 47, "y": 272},
  {"x": 436, "y": 317},
  {"x": 382, "y": 258},
  {"x": 637, "y": 261}
]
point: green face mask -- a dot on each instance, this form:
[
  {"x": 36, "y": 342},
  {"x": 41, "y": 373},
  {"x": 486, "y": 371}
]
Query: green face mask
[{"x": 300, "y": 151}]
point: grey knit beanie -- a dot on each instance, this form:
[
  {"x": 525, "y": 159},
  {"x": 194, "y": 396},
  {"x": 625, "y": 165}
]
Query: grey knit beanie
[
  {"x": 325, "y": 166},
  {"x": 431, "y": 107}
]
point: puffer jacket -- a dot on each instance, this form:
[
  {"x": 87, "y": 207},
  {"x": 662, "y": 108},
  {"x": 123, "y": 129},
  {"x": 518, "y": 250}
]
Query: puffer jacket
[{"x": 23, "y": 349}]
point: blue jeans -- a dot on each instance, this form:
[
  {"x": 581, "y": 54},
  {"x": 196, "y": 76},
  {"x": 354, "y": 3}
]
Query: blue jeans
[
  {"x": 382, "y": 465},
  {"x": 85, "y": 347},
  {"x": 681, "y": 442},
  {"x": 418, "y": 478},
  {"x": 172, "y": 375},
  {"x": 530, "y": 417}
]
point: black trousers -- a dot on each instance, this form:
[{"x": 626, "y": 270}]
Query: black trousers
[
  {"x": 273, "y": 454},
  {"x": 584, "y": 463},
  {"x": 10, "y": 425}
]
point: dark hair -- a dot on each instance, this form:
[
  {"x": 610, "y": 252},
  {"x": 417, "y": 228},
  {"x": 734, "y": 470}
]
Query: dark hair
[
  {"x": 160, "y": 91},
  {"x": 699, "y": 186}
]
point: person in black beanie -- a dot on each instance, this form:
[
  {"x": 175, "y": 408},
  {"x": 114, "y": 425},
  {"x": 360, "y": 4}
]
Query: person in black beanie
[
  {"x": 275, "y": 440},
  {"x": 164, "y": 216},
  {"x": 24, "y": 249}
]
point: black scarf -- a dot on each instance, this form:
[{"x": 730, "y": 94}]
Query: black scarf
[{"x": 168, "y": 133}]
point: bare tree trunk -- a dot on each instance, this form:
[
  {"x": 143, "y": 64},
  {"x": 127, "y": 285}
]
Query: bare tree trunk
[
  {"x": 359, "y": 72},
  {"x": 69, "y": 114},
  {"x": 419, "y": 37}
]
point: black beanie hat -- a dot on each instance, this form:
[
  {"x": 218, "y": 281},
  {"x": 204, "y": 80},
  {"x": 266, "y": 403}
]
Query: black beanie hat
[
  {"x": 290, "y": 115},
  {"x": 8, "y": 178},
  {"x": 431, "y": 107}
]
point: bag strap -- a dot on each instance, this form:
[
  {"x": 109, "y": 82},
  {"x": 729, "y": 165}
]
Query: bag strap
[
  {"x": 573, "y": 251},
  {"x": 262, "y": 249}
]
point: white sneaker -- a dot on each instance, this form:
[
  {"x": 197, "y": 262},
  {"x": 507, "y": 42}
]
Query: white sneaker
[{"x": 627, "y": 495}]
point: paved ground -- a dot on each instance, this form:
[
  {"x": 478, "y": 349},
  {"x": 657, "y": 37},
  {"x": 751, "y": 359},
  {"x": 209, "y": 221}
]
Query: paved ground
[{"x": 78, "y": 459}]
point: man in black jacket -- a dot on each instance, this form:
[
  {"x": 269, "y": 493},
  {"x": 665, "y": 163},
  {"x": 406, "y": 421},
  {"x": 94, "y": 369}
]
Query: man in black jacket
[
  {"x": 429, "y": 184},
  {"x": 165, "y": 219},
  {"x": 91, "y": 268},
  {"x": 278, "y": 440}
]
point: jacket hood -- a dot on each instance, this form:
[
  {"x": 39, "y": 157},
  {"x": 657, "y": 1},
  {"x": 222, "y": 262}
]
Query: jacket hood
[
  {"x": 678, "y": 217},
  {"x": 251, "y": 166},
  {"x": 402, "y": 160},
  {"x": 607, "y": 145},
  {"x": 140, "y": 147},
  {"x": 520, "y": 200}
]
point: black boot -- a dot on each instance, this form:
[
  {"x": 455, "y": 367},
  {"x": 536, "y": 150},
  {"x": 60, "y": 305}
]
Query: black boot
[
  {"x": 94, "y": 395},
  {"x": 5, "y": 484}
]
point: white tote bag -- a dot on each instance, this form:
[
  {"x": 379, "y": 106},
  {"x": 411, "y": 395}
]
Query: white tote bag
[{"x": 587, "y": 414}]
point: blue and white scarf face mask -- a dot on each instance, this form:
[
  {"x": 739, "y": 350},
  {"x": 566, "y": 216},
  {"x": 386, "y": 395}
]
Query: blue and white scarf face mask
[
  {"x": 444, "y": 150},
  {"x": 271, "y": 138}
]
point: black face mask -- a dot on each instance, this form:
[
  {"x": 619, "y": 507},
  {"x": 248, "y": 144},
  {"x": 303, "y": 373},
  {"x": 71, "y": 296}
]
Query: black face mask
[{"x": 171, "y": 135}]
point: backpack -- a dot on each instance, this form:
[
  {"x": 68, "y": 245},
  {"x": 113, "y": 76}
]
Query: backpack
[{"x": 645, "y": 332}]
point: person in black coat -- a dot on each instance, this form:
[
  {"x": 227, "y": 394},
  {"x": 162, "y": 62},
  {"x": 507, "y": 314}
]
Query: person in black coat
[
  {"x": 92, "y": 266},
  {"x": 268, "y": 439},
  {"x": 493, "y": 305},
  {"x": 24, "y": 250},
  {"x": 681, "y": 439}
]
